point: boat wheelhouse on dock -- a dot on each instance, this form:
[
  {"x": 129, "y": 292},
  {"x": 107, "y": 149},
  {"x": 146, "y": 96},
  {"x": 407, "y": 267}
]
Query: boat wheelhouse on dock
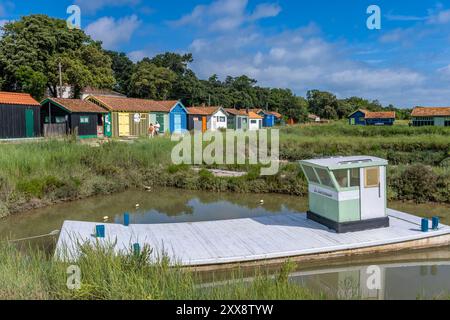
[{"x": 347, "y": 193}]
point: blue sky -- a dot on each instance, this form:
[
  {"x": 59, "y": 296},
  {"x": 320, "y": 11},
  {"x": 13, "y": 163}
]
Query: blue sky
[{"x": 301, "y": 45}]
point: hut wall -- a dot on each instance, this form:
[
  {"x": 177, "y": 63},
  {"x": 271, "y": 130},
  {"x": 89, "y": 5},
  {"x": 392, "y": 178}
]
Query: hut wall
[
  {"x": 84, "y": 129},
  {"x": 13, "y": 121}
]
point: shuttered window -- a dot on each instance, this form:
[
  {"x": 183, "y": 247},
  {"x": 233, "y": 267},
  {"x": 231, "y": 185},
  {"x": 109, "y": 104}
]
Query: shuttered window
[{"x": 372, "y": 177}]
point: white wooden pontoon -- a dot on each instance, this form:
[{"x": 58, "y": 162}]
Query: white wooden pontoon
[{"x": 253, "y": 239}]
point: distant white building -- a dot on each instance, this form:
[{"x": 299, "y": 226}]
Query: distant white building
[{"x": 67, "y": 92}]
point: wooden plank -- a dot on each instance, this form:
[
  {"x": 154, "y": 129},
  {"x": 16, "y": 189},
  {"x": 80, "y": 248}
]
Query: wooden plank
[{"x": 239, "y": 240}]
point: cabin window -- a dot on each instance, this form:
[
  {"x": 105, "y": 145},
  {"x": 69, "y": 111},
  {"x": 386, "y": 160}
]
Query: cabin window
[
  {"x": 84, "y": 119},
  {"x": 324, "y": 177},
  {"x": 60, "y": 119},
  {"x": 372, "y": 177},
  {"x": 310, "y": 174},
  {"x": 253, "y": 121},
  {"x": 221, "y": 119},
  {"x": 354, "y": 177},
  {"x": 341, "y": 177}
]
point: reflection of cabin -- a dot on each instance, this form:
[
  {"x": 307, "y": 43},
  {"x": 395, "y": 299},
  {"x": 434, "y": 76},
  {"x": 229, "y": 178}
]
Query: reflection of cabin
[
  {"x": 72, "y": 116},
  {"x": 255, "y": 121},
  {"x": 431, "y": 116},
  {"x": 207, "y": 118},
  {"x": 237, "y": 119},
  {"x": 132, "y": 117},
  {"x": 364, "y": 117},
  {"x": 19, "y": 116},
  {"x": 347, "y": 193}
]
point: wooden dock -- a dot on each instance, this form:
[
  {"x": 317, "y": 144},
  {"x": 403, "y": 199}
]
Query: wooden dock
[{"x": 252, "y": 239}]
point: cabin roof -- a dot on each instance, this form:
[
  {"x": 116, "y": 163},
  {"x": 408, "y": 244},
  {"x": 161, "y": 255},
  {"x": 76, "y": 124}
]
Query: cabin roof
[
  {"x": 380, "y": 115},
  {"x": 237, "y": 112},
  {"x": 205, "y": 111},
  {"x": 276, "y": 114},
  {"x": 253, "y": 115},
  {"x": 76, "y": 105},
  {"x": 334, "y": 163},
  {"x": 375, "y": 114},
  {"x": 15, "y": 98},
  {"x": 430, "y": 111},
  {"x": 134, "y": 104}
]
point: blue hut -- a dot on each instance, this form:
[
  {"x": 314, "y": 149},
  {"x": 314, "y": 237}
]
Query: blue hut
[
  {"x": 379, "y": 118},
  {"x": 268, "y": 118},
  {"x": 178, "y": 118}
]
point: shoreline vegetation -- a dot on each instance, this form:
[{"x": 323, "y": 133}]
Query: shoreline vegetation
[
  {"x": 107, "y": 276},
  {"x": 42, "y": 173}
]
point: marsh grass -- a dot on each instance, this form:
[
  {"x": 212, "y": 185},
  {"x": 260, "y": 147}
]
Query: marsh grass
[
  {"x": 31, "y": 274},
  {"x": 42, "y": 173}
]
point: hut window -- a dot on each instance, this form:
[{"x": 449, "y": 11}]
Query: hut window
[
  {"x": 60, "y": 119},
  {"x": 84, "y": 119},
  {"x": 253, "y": 121},
  {"x": 324, "y": 177},
  {"x": 310, "y": 174},
  {"x": 354, "y": 177},
  {"x": 372, "y": 177},
  {"x": 341, "y": 177}
]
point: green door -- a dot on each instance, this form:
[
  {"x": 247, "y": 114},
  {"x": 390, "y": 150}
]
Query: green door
[
  {"x": 160, "y": 120},
  {"x": 29, "y": 123}
]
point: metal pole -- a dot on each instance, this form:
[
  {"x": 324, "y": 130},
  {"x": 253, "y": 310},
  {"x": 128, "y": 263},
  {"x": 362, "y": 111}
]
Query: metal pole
[{"x": 60, "y": 80}]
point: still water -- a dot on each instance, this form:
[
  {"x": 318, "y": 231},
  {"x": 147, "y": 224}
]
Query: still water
[{"x": 403, "y": 276}]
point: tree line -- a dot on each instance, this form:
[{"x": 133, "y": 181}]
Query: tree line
[{"x": 33, "y": 48}]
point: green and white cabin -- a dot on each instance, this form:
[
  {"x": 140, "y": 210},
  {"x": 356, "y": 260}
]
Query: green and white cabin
[{"x": 347, "y": 193}]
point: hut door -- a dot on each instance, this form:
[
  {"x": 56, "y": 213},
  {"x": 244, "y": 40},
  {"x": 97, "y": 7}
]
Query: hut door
[
  {"x": 204, "y": 124},
  {"x": 373, "y": 193},
  {"x": 124, "y": 124},
  {"x": 160, "y": 120},
  {"x": 29, "y": 123}
]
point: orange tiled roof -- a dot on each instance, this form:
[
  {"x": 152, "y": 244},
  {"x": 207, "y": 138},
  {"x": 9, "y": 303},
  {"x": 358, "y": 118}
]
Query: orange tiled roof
[
  {"x": 276, "y": 114},
  {"x": 431, "y": 111},
  {"x": 134, "y": 104},
  {"x": 17, "y": 99},
  {"x": 380, "y": 115},
  {"x": 253, "y": 115},
  {"x": 77, "y": 105},
  {"x": 236, "y": 112},
  {"x": 205, "y": 111}
]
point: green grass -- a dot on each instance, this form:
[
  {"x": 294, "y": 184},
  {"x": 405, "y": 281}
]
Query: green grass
[
  {"x": 43, "y": 173},
  {"x": 31, "y": 274}
]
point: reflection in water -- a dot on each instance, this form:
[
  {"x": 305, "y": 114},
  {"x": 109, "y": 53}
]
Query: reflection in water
[
  {"x": 397, "y": 280},
  {"x": 425, "y": 280}
]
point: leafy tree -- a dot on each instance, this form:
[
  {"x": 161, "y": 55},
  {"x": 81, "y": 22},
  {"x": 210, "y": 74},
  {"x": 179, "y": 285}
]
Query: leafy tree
[
  {"x": 41, "y": 43},
  {"x": 122, "y": 68},
  {"x": 176, "y": 62},
  {"x": 150, "y": 81},
  {"x": 322, "y": 103},
  {"x": 31, "y": 81}
]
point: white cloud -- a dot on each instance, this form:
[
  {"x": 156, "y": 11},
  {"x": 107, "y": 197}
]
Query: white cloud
[
  {"x": 91, "y": 6},
  {"x": 113, "y": 32},
  {"x": 265, "y": 10},
  {"x": 2, "y": 23},
  {"x": 225, "y": 15},
  {"x": 303, "y": 59},
  {"x": 440, "y": 17},
  {"x": 137, "y": 55}
]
